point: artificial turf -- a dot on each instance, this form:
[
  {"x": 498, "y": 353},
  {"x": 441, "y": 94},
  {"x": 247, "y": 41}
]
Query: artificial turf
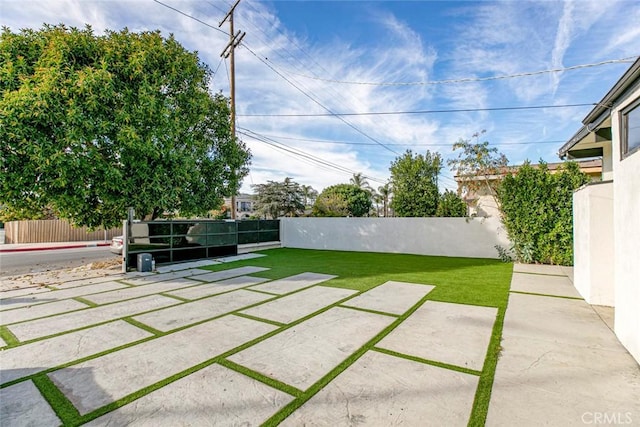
[{"x": 474, "y": 281}]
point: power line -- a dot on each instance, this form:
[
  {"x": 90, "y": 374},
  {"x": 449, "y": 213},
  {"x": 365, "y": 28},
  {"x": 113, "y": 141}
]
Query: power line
[
  {"x": 191, "y": 17},
  {"x": 297, "y": 152},
  {"x": 388, "y": 113},
  {"x": 331, "y": 141},
  {"x": 472, "y": 79},
  {"x": 330, "y": 113}
]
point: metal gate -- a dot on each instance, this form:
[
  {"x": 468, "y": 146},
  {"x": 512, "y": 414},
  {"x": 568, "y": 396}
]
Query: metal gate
[{"x": 171, "y": 241}]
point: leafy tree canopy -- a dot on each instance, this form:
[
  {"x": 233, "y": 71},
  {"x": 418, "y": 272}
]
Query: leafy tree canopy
[
  {"x": 343, "y": 200},
  {"x": 451, "y": 205},
  {"x": 94, "y": 124},
  {"x": 275, "y": 199},
  {"x": 414, "y": 179},
  {"x": 478, "y": 167}
]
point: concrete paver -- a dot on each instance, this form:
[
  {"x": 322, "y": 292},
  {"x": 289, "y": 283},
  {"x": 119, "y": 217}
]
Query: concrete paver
[
  {"x": 296, "y": 306},
  {"x": 97, "y": 382},
  {"x": 32, "y": 358},
  {"x": 227, "y": 274},
  {"x": 22, "y": 405},
  {"x": 294, "y": 283},
  {"x": 391, "y": 297},
  {"x": 41, "y": 310},
  {"x": 2, "y": 343},
  {"x": 455, "y": 334},
  {"x": 556, "y": 270},
  {"x": 185, "y": 265},
  {"x": 303, "y": 354},
  {"x": 240, "y": 257},
  {"x": 155, "y": 278},
  {"x": 561, "y": 365},
  {"x": 22, "y": 292},
  {"x": 89, "y": 281},
  {"x": 178, "y": 316},
  {"x": 216, "y": 288},
  {"x": 140, "y": 291},
  {"x": 543, "y": 284},
  {"x": 213, "y": 395},
  {"x": 562, "y": 320},
  {"x": 67, "y": 322},
  {"x": 379, "y": 389},
  {"x": 39, "y": 298}
]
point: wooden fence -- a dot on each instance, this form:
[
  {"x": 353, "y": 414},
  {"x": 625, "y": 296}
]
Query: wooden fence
[{"x": 44, "y": 231}]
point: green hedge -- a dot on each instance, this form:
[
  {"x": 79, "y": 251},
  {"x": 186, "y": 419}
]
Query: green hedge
[{"x": 537, "y": 211}]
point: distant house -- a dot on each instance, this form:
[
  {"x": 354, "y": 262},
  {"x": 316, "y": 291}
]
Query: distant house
[
  {"x": 245, "y": 205},
  {"x": 607, "y": 214},
  {"x": 483, "y": 203}
]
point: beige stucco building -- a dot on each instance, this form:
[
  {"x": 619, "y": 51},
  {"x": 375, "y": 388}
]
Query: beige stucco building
[{"x": 607, "y": 214}]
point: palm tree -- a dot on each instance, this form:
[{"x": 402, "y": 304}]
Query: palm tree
[
  {"x": 309, "y": 195},
  {"x": 360, "y": 181},
  {"x": 385, "y": 192}
]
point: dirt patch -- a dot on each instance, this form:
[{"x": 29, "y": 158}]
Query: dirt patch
[{"x": 57, "y": 277}]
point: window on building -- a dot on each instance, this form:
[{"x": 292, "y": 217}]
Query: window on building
[{"x": 630, "y": 129}]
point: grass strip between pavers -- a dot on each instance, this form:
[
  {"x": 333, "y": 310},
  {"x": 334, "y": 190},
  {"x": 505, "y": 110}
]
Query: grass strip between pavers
[
  {"x": 271, "y": 382},
  {"x": 75, "y": 362},
  {"x": 84, "y": 301},
  {"x": 320, "y": 384},
  {"x": 482, "y": 282},
  {"x": 368, "y": 310},
  {"x": 259, "y": 319},
  {"x": 535, "y": 294},
  {"x": 63, "y": 408},
  {"x": 8, "y": 337},
  {"x": 143, "y": 326},
  {"x": 427, "y": 362},
  {"x": 485, "y": 384}
]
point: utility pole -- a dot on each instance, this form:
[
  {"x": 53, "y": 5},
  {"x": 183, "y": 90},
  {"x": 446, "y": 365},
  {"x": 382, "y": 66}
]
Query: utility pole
[{"x": 229, "y": 52}]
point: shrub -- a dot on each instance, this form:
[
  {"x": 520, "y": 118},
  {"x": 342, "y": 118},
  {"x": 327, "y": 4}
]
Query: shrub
[
  {"x": 451, "y": 205},
  {"x": 537, "y": 211}
]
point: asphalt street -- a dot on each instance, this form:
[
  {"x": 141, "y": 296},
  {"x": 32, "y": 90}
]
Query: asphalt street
[{"x": 14, "y": 263}]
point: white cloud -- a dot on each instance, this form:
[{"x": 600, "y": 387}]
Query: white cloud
[{"x": 490, "y": 39}]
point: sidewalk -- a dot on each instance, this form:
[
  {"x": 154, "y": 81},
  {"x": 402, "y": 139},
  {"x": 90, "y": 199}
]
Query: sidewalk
[
  {"x": 26, "y": 247},
  {"x": 561, "y": 364}
]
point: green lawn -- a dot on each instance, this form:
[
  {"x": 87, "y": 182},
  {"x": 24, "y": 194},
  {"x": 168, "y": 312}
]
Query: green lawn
[
  {"x": 458, "y": 280},
  {"x": 471, "y": 281}
]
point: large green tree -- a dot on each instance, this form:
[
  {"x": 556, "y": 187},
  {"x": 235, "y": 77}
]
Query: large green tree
[
  {"x": 342, "y": 200},
  {"x": 274, "y": 199},
  {"x": 414, "y": 179},
  {"x": 94, "y": 124}
]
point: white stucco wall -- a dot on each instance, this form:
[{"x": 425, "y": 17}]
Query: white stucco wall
[
  {"x": 593, "y": 243},
  {"x": 626, "y": 216},
  {"x": 459, "y": 237}
]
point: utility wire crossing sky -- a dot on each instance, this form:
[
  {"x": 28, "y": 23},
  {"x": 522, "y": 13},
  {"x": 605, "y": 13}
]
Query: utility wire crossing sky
[{"x": 326, "y": 89}]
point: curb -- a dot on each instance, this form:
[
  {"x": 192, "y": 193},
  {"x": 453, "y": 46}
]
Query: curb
[{"x": 49, "y": 248}]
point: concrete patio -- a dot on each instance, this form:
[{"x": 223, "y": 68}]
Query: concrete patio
[{"x": 187, "y": 345}]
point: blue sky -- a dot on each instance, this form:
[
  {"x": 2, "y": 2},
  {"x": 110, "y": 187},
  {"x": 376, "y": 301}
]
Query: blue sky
[{"x": 311, "y": 57}]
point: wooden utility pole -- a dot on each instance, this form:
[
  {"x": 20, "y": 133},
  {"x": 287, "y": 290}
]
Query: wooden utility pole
[{"x": 229, "y": 52}]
